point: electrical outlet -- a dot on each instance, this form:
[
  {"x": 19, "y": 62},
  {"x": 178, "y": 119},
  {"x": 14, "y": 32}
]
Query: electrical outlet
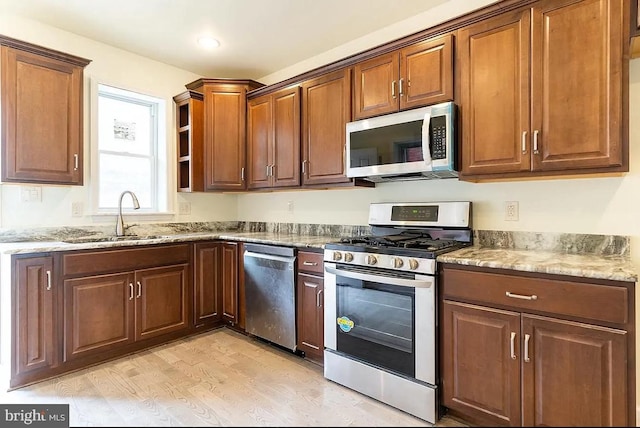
[
  {"x": 76, "y": 209},
  {"x": 511, "y": 211},
  {"x": 31, "y": 194},
  {"x": 184, "y": 208},
  {"x": 290, "y": 206}
]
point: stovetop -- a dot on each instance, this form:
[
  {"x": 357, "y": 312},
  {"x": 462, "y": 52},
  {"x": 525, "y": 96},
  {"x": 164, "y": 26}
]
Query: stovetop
[{"x": 404, "y": 244}]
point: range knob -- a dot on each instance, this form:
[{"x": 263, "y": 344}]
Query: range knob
[
  {"x": 348, "y": 257},
  {"x": 371, "y": 260},
  {"x": 397, "y": 262},
  {"x": 337, "y": 255},
  {"x": 413, "y": 264}
]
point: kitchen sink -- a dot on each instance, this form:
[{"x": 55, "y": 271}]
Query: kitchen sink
[{"x": 89, "y": 239}]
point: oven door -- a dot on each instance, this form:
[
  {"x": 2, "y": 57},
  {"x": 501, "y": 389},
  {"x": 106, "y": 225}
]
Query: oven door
[{"x": 382, "y": 318}]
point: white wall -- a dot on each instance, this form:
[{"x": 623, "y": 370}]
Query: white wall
[{"x": 119, "y": 68}]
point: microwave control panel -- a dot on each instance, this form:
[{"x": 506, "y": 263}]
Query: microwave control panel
[{"x": 438, "y": 135}]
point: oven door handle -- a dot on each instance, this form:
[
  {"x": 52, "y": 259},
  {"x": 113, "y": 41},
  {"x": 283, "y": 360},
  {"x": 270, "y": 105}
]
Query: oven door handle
[{"x": 423, "y": 282}]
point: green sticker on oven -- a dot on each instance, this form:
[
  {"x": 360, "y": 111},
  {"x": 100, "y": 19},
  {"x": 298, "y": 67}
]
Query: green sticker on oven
[{"x": 345, "y": 324}]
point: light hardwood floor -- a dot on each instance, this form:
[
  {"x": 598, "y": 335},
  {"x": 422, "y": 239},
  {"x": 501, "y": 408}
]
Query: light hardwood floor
[{"x": 218, "y": 378}]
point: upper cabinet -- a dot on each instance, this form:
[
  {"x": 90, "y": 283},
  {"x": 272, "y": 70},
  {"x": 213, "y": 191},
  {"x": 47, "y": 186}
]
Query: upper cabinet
[
  {"x": 273, "y": 140},
  {"x": 635, "y": 29},
  {"x": 415, "y": 76},
  {"x": 225, "y": 105},
  {"x": 542, "y": 91},
  {"x": 41, "y": 96},
  {"x": 189, "y": 124},
  {"x": 326, "y": 109}
]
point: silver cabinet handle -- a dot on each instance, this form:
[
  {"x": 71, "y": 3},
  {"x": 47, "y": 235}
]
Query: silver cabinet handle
[
  {"x": 273, "y": 167},
  {"x": 401, "y": 90},
  {"x": 526, "y": 348},
  {"x": 304, "y": 168},
  {"x": 393, "y": 89},
  {"x": 242, "y": 174},
  {"x": 48, "y": 279},
  {"x": 513, "y": 345},
  {"x": 535, "y": 142},
  {"x": 139, "y": 290},
  {"x": 521, "y": 296},
  {"x": 306, "y": 263},
  {"x": 319, "y": 299},
  {"x": 524, "y": 142},
  {"x": 268, "y": 170},
  {"x": 75, "y": 162},
  {"x": 130, "y": 291}
]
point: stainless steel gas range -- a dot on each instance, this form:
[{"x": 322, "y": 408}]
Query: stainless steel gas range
[{"x": 380, "y": 303}]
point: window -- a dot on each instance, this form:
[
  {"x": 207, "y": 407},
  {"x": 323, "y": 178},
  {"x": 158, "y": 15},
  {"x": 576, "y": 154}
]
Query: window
[{"x": 130, "y": 150}]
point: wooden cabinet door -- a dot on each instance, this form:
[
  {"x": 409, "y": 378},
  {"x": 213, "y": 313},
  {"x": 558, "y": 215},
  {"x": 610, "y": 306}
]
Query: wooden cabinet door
[
  {"x": 41, "y": 118},
  {"x": 480, "y": 377},
  {"x": 326, "y": 109},
  {"x": 376, "y": 86},
  {"x": 34, "y": 339},
  {"x": 285, "y": 161},
  {"x": 573, "y": 374},
  {"x": 207, "y": 281},
  {"x": 162, "y": 301},
  {"x": 259, "y": 142},
  {"x": 494, "y": 94},
  {"x": 273, "y": 140},
  {"x": 230, "y": 282},
  {"x": 577, "y": 78},
  {"x": 426, "y": 73},
  {"x": 98, "y": 314},
  {"x": 310, "y": 325},
  {"x": 224, "y": 136}
]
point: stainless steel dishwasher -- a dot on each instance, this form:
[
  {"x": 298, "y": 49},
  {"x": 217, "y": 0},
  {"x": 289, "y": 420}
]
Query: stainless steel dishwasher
[{"x": 270, "y": 293}]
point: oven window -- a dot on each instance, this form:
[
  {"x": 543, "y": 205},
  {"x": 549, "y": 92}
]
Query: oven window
[{"x": 375, "y": 323}]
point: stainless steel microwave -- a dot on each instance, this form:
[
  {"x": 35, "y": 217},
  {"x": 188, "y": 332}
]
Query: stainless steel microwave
[{"x": 408, "y": 145}]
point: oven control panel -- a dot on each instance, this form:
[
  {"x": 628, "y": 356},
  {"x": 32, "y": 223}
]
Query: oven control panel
[{"x": 385, "y": 261}]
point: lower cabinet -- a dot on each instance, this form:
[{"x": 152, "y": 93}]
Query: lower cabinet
[
  {"x": 34, "y": 337},
  {"x": 218, "y": 285},
  {"x": 120, "y": 300},
  {"x": 230, "y": 271},
  {"x": 105, "y": 311},
  {"x": 525, "y": 364},
  {"x": 207, "y": 281},
  {"x": 310, "y": 306}
]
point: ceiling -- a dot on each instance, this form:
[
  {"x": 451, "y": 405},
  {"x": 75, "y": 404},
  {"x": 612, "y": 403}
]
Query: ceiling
[{"x": 258, "y": 37}]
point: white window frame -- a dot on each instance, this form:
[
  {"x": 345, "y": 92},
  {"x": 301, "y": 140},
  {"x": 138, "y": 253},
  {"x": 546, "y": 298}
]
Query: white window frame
[{"x": 163, "y": 175}]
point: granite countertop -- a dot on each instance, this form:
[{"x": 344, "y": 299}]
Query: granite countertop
[
  {"x": 275, "y": 238},
  {"x": 599, "y": 266},
  {"x": 579, "y": 255}
]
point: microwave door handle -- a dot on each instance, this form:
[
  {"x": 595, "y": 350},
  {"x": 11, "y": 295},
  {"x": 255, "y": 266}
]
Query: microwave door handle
[
  {"x": 426, "y": 139},
  {"x": 425, "y": 282}
]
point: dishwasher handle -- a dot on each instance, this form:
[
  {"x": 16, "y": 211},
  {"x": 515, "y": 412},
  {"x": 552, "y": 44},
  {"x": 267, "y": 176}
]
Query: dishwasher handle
[{"x": 269, "y": 257}]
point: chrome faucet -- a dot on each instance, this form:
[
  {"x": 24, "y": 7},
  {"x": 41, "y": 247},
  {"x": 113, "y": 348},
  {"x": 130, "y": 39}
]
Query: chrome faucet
[{"x": 120, "y": 221}]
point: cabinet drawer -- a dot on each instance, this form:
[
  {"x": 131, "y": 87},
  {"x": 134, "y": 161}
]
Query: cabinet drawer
[
  {"x": 310, "y": 262},
  {"x": 96, "y": 262},
  {"x": 607, "y": 303}
]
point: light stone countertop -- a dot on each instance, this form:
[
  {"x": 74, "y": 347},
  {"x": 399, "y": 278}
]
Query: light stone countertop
[
  {"x": 613, "y": 267},
  {"x": 287, "y": 239},
  {"x": 589, "y": 265}
]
